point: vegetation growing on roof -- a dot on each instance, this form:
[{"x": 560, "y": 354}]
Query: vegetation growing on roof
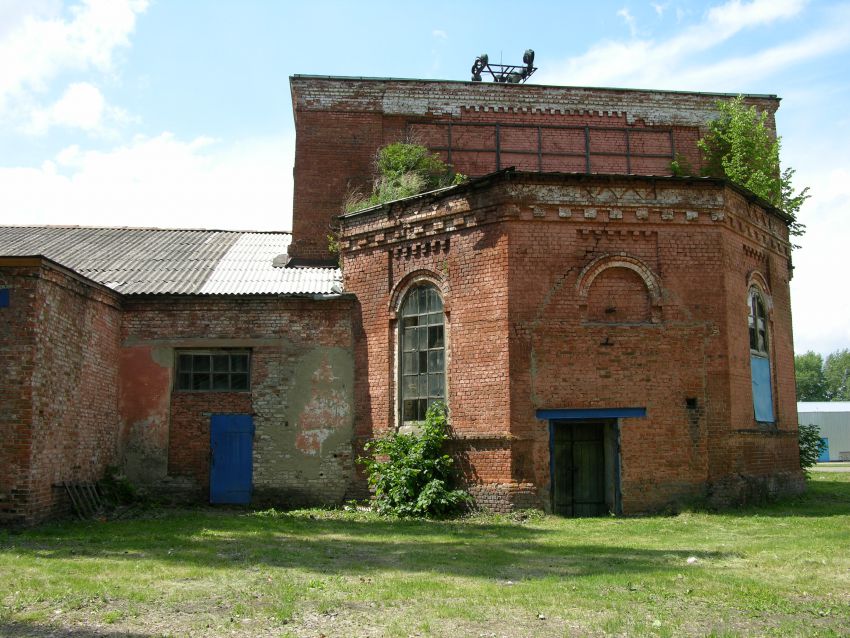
[
  {"x": 401, "y": 170},
  {"x": 740, "y": 146}
]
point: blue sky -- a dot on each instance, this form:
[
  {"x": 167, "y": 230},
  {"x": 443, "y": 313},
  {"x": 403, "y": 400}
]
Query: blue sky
[{"x": 178, "y": 113}]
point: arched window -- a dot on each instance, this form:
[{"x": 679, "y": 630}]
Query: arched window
[
  {"x": 422, "y": 377},
  {"x": 758, "y": 323},
  {"x": 759, "y": 358}
]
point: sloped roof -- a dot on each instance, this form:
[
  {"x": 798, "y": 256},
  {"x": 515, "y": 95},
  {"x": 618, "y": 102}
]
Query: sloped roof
[{"x": 135, "y": 261}]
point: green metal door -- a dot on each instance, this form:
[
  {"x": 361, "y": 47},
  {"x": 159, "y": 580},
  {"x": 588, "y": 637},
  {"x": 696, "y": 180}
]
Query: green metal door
[{"x": 578, "y": 468}]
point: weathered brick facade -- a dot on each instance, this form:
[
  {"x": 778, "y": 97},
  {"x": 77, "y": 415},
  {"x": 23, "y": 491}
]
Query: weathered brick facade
[
  {"x": 585, "y": 287},
  {"x": 300, "y": 395},
  {"x": 575, "y": 291},
  {"x": 479, "y": 128},
  {"x": 59, "y": 350}
]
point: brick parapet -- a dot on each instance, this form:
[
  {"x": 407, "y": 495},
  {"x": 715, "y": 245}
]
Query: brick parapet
[{"x": 451, "y": 99}]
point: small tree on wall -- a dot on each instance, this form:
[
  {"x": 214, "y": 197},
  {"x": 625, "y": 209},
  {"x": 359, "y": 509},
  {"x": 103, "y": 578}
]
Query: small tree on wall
[{"x": 740, "y": 146}]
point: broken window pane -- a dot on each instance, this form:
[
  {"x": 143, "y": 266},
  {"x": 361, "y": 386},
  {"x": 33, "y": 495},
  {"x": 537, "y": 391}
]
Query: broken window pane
[{"x": 422, "y": 369}]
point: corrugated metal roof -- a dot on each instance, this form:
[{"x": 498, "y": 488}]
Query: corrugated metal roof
[
  {"x": 823, "y": 406},
  {"x": 160, "y": 261}
]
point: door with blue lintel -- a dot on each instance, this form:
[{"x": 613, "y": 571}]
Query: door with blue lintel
[{"x": 231, "y": 462}]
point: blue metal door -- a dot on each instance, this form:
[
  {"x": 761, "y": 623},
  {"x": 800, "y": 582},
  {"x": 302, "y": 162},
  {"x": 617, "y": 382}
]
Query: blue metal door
[
  {"x": 824, "y": 455},
  {"x": 231, "y": 440}
]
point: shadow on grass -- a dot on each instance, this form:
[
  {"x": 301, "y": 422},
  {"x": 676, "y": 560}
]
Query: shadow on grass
[
  {"x": 826, "y": 495},
  {"x": 35, "y": 630},
  {"x": 339, "y": 545},
  {"x": 355, "y": 544}
]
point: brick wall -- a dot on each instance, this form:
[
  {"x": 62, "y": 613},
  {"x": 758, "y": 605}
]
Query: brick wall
[
  {"x": 584, "y": 292},
  {"x": 63, "y": 414},
  {"x": 17, "y": 359},
  {"x": 301, "y": 393},
  {"x": 342, "y": 122}
]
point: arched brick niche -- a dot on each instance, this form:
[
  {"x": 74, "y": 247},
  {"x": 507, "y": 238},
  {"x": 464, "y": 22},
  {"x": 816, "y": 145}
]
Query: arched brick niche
[{"x": 619, "y": 289}]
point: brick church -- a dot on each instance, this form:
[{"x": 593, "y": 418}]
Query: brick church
[{"x": 607, "y": 337}]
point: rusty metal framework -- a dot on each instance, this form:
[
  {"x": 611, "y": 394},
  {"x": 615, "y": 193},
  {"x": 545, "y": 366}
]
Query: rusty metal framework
[
  {"x": 504, "y": 73},
  {"x": 586, "y": 151}
]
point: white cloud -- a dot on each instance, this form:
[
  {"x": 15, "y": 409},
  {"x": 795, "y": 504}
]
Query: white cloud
[
  {"x": 698, "y": 57},
  {"x": 819, "y": 284},
  {"x": 37, "y": 45},
  {"x": 629, "y": 19},
  {"x": 665, "y": 63},
  {"x": 160, "y": 181},
  {"x": 82, "y": 106},
  {"x": 659, "y": 8},
  {"x": 42, "y": 46},
  {"x": 439, "y": 33}
]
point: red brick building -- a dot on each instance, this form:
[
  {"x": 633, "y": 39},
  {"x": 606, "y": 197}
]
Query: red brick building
[{"x": 607, "y": 337}]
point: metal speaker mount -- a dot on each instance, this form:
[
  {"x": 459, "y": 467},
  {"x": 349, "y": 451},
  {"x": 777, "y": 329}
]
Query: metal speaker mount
[{"x": 505, "y": 73}]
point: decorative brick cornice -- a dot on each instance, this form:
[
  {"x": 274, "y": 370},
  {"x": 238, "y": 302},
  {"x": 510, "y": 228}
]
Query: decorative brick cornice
[{"x": 598, "y": 203}]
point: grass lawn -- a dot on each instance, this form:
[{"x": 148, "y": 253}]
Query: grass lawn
[{"x": 782, "y": 569}]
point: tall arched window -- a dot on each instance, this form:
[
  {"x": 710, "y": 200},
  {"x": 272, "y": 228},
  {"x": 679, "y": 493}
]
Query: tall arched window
[
  {"x": 422, "y": 377},
  {"x": 760, "y": 358}
]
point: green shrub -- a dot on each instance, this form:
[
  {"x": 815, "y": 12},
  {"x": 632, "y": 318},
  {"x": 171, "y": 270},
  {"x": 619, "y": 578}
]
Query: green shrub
[
  {"x": 117, "y": 488},
  {"x": 411, "y": 474},
  {"x": 811, "y": 446},
  {"x": 403, "y": 170}
]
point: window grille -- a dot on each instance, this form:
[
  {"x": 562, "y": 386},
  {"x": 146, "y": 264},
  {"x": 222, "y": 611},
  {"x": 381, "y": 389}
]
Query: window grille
[
  {"x": 213, "y": 371},
  {"x": 422, "y": 338}
]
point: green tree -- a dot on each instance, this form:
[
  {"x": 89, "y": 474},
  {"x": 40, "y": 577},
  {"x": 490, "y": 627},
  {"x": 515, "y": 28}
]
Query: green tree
[
  {"x": 836, "y": 370},
  {"x": 811, "y": 382},
  {"x": 740, "y": 146},
  {"x": 811, "y": 445}
]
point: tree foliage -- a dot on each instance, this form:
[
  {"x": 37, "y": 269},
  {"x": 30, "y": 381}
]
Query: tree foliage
[
  {"x": 411, "y": 474},
  {"x": 811, "y": 382},
  {"x": 402, "y": 170},
  {"x": 740, "y": 146},
  {"x": 836, "y": 371},
  {"x": 820, "y": 379},
  {"x": 811, "y": 445}
]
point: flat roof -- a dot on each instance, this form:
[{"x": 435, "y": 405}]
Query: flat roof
[
  {"x": 764, "y": 96},
  {"x": 823, "y": 406}
]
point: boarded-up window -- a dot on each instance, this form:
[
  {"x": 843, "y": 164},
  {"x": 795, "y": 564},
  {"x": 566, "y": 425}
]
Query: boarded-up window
[
  {"x": 618, "y": 295},
  {"x": 760, "y": 359}
]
